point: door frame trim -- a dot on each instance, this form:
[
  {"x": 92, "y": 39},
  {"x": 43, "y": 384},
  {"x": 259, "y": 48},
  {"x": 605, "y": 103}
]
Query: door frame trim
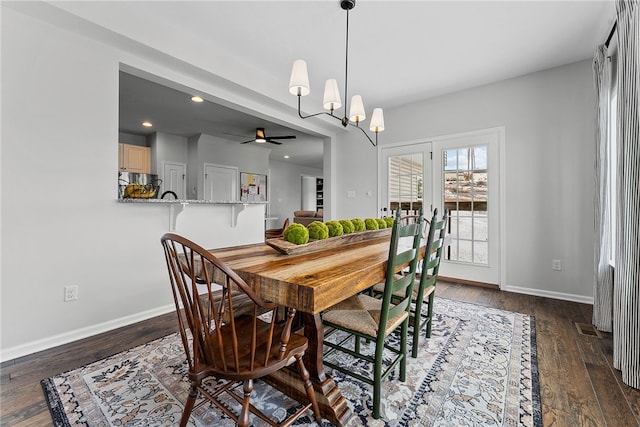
[{"x": 501, "y": 133}]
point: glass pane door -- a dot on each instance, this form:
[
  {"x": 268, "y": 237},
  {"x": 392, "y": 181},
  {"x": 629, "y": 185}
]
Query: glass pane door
[
  {"x": 465, "y": 195},
  {"x": 406, "y": 179},
  {"x": 467, "y": 182},
  {"x": 406, "y": 183}
]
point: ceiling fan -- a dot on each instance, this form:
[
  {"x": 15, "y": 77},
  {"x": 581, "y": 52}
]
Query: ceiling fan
[{"x": 261, "y": 138}]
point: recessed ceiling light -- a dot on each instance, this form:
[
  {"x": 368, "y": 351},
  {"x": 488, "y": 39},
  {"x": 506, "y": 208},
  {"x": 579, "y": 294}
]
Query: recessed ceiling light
[
  {"x": 197, "y": 99},
  {"x": 147, "y": 124},
  {"x": 286, "y": 157}
]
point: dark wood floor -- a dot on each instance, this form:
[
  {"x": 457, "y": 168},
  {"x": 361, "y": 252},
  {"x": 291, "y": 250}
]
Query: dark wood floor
[{"x": 578, "y": 385}]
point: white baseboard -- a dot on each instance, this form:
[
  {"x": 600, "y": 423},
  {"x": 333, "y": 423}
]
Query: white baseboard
[
  {"x": 67, "y": 337},
  {"x": 550, "y": 294}
]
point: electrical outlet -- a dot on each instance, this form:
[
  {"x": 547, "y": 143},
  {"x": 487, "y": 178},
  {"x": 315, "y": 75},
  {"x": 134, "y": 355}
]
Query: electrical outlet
[
  {"x": 556, "y": 265},
  {"x": 70, "y": 293}
]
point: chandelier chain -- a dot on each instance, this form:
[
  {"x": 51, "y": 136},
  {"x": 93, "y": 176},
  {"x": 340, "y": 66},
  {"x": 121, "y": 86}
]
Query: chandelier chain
[
  {"x": 299, "y": 86},
  {"x": 345, "y": 118}
]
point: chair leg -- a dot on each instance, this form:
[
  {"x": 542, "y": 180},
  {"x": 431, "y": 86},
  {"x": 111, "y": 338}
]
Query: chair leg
[
  {"x": 377, "y": 378},
  {"x": 311, "y": 394},
  {"x": 403, "y": 350},
  {"x": 430, "y": 312},
  {"x": 244, "y": 419},
  {"x": 417, "y": 323},
  {"x": 188, "y": 406},
  {"x": 416, "y": 340}
]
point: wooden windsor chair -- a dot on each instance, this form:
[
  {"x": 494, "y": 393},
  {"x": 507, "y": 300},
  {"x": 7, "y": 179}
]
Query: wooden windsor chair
[{"x": 223, "y": 344}]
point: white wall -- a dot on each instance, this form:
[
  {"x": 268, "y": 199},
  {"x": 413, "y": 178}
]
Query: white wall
[
  {"x": 166, "y": 148},
  {"x": 129, "y": 138},
  {"x": 62, "y": 225},
  {"x": 549, "y": 122}
]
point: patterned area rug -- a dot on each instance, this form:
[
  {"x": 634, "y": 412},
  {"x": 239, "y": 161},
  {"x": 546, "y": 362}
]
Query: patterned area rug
[{"x": 478, "y": 368}]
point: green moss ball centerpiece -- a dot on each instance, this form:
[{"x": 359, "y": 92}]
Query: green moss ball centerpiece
[
  {"x": 335, "y": 228},
  {"x": 318, "y": 230},
  {"x": 371, "y": 224},
  {"x": 296, "y": 233},
  {"x": 347, "y": 226},
  {"x": 358, "y": 224},
  {"x": 319, "y": 236}
]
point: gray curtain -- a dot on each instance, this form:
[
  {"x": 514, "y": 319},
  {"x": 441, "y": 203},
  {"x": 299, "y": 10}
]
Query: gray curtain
[
  {"x": 603, "y": 287},
  {"x": 626, "y": 296}
]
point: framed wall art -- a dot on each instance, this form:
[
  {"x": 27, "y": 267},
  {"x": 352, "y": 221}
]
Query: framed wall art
[{"x": 253, "y": 187}]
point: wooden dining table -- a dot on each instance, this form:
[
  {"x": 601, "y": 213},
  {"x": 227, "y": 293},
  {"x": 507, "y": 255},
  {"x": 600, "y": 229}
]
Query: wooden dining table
[{"x": 310, "y": 283}]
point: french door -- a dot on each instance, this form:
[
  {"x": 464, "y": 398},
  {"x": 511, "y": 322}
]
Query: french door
[
  {"x": 467, "y": 182},
  {"x": 461, "y": 173}
]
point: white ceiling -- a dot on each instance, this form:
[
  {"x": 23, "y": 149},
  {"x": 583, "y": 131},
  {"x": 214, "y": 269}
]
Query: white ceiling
[{"x": 400, "y": 51}]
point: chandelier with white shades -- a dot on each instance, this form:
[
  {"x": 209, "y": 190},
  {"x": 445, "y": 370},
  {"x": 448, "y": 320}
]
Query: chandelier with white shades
[{"x": 299, "y": 86}]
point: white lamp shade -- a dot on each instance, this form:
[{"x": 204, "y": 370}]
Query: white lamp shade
[
  {"x": 299, "y": 81},
  {"x": 331, "y": 99},
  {"x": 356, "y": 110},
  {"x": 377, "y": 120}
]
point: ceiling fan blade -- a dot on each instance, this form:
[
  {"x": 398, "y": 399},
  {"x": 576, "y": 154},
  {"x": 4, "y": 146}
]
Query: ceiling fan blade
[
  {"x": 271, "y": 141},
  {"x": 246, "y": 142},
  {"x": 282, "y": 137}
]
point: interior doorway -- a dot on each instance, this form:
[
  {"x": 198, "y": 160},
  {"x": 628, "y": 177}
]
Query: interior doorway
[
  {"x": 309, "y": 198},
  {"x": 174, "y": 178}
]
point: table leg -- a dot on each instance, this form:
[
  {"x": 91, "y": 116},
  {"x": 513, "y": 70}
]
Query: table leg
[{"x": 333, "y": 405}]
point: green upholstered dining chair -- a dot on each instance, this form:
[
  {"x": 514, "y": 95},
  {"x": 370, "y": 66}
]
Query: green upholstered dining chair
[
  {"x": 365, "y": 317},
  {"x": 231, "y": 344},
  {"x": 425, "y": 285}
]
